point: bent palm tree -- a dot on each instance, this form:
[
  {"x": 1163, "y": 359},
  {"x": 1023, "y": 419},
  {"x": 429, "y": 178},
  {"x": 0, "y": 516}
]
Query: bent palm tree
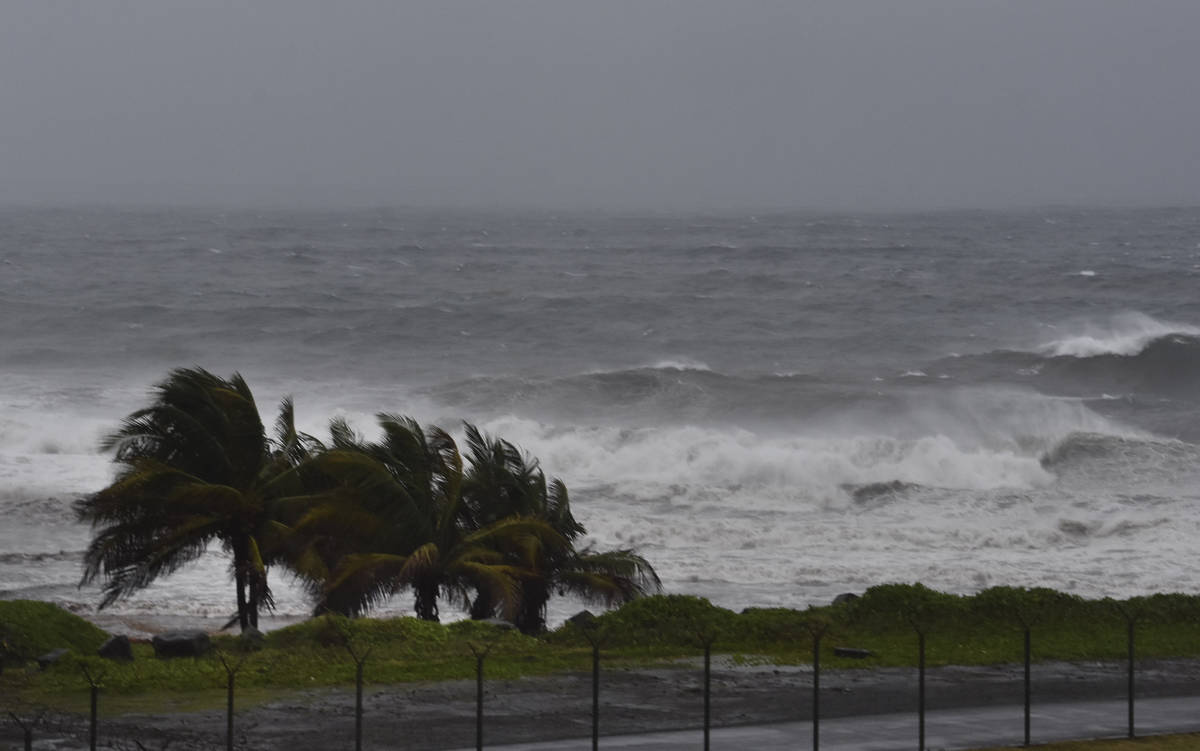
[
  {"x": 393, "y": 518},
  {"x": 504, "y": 482},
  {"x": 195, "y": 467}
]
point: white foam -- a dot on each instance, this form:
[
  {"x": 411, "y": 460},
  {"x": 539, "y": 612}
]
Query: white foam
[
  {"x": 680, "y": 363},
  {"x": 776, "y": 471},
  {"x": 1122, "y": 334},
  {"x": 742, "y": 516}
]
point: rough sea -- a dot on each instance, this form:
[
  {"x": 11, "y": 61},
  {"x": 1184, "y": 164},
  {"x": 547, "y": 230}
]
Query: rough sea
[{"x": 772, "y": 408}]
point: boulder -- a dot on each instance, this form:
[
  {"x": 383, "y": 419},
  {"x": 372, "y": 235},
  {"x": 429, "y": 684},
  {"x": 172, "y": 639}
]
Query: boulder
[
  {"x": 582, "y": 618},
  {"x": 252, "y": 639},
  {"x": 845, "y": 597},
  {"x": 116, "y": 648},
  {"x": 182, "y": 644},
  {"x": 52, "y": 657}
]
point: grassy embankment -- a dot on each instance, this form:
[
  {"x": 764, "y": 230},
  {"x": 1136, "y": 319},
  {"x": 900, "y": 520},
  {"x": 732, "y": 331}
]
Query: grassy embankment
[{"x": 980, "y": 629}]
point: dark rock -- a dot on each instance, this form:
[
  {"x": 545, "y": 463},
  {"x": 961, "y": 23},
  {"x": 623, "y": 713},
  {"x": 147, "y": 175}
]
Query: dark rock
[
  {"x": 52, "y": 657},
  {"x": 852, "y": 652},
  {"x": 182, "y": 644},
  {"x": 845, "y": 597},
  {"x": 582, "y": 618},
  {"x": 878, "y": 491},
  {"x": 116, "y": 648},
  {"x": 252, "y": 639}
]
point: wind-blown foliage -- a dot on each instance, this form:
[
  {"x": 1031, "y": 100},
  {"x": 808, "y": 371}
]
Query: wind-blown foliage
[
  {"x": 393, "y": 518},
  {"x": 194, "y": 467},
  {"x": 503, "y": 482},
  {"x": 356, "y": 521}
]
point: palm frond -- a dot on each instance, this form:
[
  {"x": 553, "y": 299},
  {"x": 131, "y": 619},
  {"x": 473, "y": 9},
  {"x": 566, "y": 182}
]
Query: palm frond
[{"x": 362, "y": 581}]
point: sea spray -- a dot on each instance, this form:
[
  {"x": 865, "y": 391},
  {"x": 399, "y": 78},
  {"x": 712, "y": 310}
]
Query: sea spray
[
  {"x": 725, "y": 393},
  {"x": 1123, "y": 334}
]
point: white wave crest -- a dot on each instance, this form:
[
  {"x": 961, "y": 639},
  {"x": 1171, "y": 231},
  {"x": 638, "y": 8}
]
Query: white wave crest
[
  {"x": 691, "y": 461},
  {"x": 670, "y": 363},
  {"x": 1123, "y": 334},
  {"x": 680, "y": 363}
]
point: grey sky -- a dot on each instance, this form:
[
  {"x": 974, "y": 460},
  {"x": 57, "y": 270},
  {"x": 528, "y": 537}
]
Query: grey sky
[{"x": 617, "y": 104}]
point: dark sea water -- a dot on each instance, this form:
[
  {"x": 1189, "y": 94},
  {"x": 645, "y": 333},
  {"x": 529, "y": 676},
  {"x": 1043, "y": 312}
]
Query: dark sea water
[{"x": 773, "y": 409}]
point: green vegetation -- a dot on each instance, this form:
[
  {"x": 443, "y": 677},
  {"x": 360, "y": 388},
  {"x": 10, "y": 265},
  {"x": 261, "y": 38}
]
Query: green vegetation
[
  {"x": 195, "y": 467},
  {"x": 971, "y": 630},
  {"x": 29, "y": 629},
  {"x": 356, "y": 521}
]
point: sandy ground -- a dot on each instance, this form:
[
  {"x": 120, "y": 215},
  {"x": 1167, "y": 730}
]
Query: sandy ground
[{"x": 442, "y": 715}]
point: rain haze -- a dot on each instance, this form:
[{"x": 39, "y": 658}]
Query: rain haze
[
  {"x": 797, "y": 297},
  {"x": 691, "y": 104}
]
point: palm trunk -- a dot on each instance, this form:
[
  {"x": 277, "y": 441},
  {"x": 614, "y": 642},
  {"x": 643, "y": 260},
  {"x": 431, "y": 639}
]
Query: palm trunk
[
  {"x": 245, "y": 589},
  {"x": 531, "y": 617},
  {"x": 483, "y": 607},
  {"x": 239, "y": 576},
  {"x": 426, "y": 601}
]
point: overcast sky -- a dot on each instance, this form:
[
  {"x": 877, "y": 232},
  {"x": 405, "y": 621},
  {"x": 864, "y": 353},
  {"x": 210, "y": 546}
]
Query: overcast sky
[{"x": 656, "y": 104}]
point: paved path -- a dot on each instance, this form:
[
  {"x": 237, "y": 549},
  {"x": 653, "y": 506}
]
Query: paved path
[{"x": 945, "y": 729}]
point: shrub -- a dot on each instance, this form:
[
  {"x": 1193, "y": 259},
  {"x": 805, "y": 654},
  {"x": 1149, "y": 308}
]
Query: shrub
[
  {"x": 660, "y": 620},
  {"x": 29, "y": 629}
]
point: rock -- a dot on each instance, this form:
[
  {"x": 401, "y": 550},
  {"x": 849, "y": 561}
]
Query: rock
[
  {"x": 852, "y": 652},
  {"x": 116, "y": 648},
  {"x": 52, "y": 657},
  {"x": 182, "y": 644},
  {"x": 845, "y": 597},
  {"x": 252, "y": 639},
  {"x": 582, "y": 618}
]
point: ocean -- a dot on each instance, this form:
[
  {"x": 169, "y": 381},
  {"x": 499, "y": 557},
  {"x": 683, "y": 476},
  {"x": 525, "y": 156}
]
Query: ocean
[{"x": 773, "y": 408}]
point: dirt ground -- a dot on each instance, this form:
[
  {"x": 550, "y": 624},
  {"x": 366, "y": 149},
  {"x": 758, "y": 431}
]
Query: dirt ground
[{"x": 426, "y": 716}]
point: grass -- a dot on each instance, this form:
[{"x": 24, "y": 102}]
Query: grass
[
  {"x": 29, "y": 629},
  {"x": 980, "y": 629}
]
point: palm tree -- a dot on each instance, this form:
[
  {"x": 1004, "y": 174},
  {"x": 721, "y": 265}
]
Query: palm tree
[
  {"x": 194, "y": 467},
  {"x": 393, "y": 517},
  {"x": 504, "y": 482}
]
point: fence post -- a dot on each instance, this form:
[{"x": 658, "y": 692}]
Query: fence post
[
  {"x": 921, "y": 690},
  {"x": 479, "y": 702},
  {"x": 1028, "y": 681},
  {"x": 1130, "y": 689},
  {"x": 707, "y": 692},
  {"x": 1023, "y": 608},
  {"x": 707, "y": 637},
  {"x": 229, "y": 712},
  {"x": 27, "y": 728},
  {"x": 230, "y": 673},
  {"x": 358, "y": 708},
  {"x": 917, "y": 614},
  {"x": 1130, "y": 613},
  {"x": 481, "y": 652},
  {"x": 94, "y": 683},
  {"x": 591, "y": 631},
  {"x": 359, "y": 661},
  {"x": 816, "y": 629},
  {"x": 595, "y": 696}
]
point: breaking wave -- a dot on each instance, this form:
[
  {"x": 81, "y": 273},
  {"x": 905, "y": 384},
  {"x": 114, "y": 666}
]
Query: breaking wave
[
  {"x": 694, "y": 463},
  {"x": 1137, "y": 354},
  {"x": 1127, "y": 334}
]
